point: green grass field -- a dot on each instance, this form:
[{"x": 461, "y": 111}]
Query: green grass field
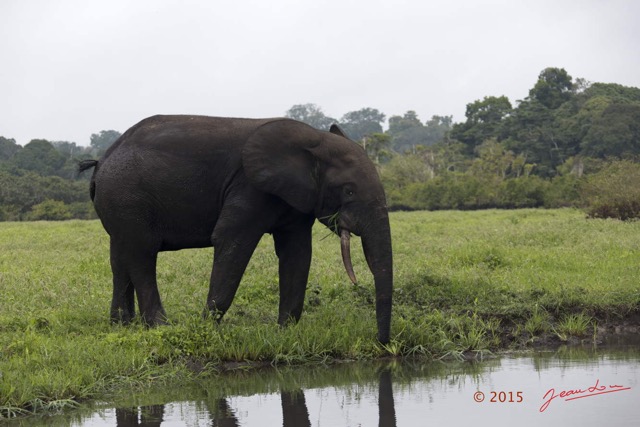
[{"x": 464, "y": 282}]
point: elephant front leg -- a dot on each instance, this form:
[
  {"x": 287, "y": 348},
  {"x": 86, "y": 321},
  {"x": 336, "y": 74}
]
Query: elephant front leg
[
  {"x": 293, "y": 248},
  {"x": 232, "y": 252}
]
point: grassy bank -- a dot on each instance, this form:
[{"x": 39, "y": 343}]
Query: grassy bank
[{"x": 465, "y": 282}]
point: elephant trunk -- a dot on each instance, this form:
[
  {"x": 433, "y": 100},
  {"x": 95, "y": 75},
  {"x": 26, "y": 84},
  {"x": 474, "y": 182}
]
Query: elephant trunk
[{"x": 376, "y": 243}]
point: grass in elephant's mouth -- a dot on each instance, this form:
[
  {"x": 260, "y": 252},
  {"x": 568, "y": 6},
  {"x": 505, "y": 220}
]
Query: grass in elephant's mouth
[
  {"x": 332, "y": 220},
  {"x": 466, "y": 282}
]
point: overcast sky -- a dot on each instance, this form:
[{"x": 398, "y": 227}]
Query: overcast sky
[{"x": 70, "y": 68}]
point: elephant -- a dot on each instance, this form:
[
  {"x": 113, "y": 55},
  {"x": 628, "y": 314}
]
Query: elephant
[{"x": 173, "y": 182}]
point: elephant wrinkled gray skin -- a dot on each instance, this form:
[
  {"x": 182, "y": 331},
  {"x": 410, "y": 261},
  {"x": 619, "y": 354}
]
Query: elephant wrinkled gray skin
[{"x": 175, "y": 182}]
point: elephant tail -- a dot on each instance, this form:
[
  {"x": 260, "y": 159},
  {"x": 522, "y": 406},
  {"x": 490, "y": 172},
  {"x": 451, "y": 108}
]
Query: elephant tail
[{"x": 84, "y": 165}]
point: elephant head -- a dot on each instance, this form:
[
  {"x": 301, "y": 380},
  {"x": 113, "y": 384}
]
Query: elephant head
[{"x": 326, "y": 175}]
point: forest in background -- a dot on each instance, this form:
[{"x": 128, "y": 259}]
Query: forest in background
[{"x": 568, "y": 143}]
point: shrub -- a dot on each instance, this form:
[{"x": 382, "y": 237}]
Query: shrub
[
  {"x": 82, "y": 210},
  {"x": 49, "y": 210},
  {"x": 614, "y": 192},
  {"x": 452, "y": 191},
  {"x": 9, "y": 212},
  {"x": 563, "y": 192},
  {"x": 522, "y": 192}
]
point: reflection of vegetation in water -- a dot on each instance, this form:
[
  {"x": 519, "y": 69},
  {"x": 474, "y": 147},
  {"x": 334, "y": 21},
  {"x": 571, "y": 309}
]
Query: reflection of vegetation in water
[
  {"x": 347, "y": 377},
  {"x": 354, "y": 381},
  {"x": 619, "y": 349}
]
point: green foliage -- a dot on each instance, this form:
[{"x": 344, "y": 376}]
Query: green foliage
[
  {"x": 39, "y": 156},
  {"x": 485, "y": 120},
  {"x": 82, "y": 210},
  {"x": 39, "y": 181},
  {"x": 436, "y": 129},
  {"x": 538, "y": 323},
  {"x": 49, "y": 210},
  {"x": 614, "y": 132},
  {"x": 312, "y": 115},
  {"x": 377, "y": 146},
  {"x": 495, "y": 179},
  {"x": 407, "y": 132},
  {"x": 101, "y": 141},
  {"x": 553, "y": 88},
  {"x": 20, "y": 193},
  {"x": 402, "y": 171},
  {"x": 522, "y": 192},
  {"x": 563, "y": 191},
  {"x": 540, "y": 135},
  {"x": 8, "y": 148},
  {"x": 614, "y": 192},
  {"x": 362, "y": 123},
  {"x": 537, "y": 153},
  {"x": 574, "y": 325},
  {"x": 613, "y": 91}
]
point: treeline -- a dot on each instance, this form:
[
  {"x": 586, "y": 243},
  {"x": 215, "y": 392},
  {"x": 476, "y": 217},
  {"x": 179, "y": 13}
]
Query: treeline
[
  {"x": 568, "y": 143},
  {"x": 560, "y": 146},
  {"x": 39, "y": 181}
]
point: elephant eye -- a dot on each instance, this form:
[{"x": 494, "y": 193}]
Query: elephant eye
[{"x": 348, "y": 191}]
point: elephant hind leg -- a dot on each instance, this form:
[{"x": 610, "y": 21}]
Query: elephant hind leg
[
  {"x": 123, "y": 302},
  {"x": 134, "y": 269}
]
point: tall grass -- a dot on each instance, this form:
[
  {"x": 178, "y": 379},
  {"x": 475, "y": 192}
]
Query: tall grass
[{"x": 466, "y": 282}]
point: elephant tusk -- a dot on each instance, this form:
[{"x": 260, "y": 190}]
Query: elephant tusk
[{"x": 345, "y": 246}]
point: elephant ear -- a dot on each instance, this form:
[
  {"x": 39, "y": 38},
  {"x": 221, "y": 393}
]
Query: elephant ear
[
  {"x": 277, "y": 159},
  {"x": 337, "y": 130}
]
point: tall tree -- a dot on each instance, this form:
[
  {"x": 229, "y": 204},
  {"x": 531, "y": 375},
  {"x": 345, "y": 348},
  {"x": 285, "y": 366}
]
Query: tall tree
[
  {"x": 613, "y": 91},
  {"x": 485, "y": 120},
  {"x": 615, "y": 133},
  {"x": 39, "y": 156},
  {"x": 437, "y": 128},
  {"x": 310, "y": 114},
  {"x": 545, "y": 127},
  {"x": 377, "y": 146},
  {"x": 533, "y": 131},
  {"x": 8, "y": 148},
  {"x": 553, "y": 88},
  {"x": 361, "y": 123},
  {"x": 406, "y": 132},
  {"x": 67, "y": 149},
  {"x": 399, "y": 124},
  {"x": 102, "y": 140}
]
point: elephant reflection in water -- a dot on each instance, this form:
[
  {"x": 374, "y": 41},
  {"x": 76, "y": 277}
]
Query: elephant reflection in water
[
  {"x": 222, "y": 414},
  {"x": 386, "y": 405},
  {"x": 294, "y": 410},
  {"x": 145, "y": 416}
]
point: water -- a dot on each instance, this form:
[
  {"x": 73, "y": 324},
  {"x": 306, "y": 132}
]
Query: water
[{"x": 593, "y": 387}]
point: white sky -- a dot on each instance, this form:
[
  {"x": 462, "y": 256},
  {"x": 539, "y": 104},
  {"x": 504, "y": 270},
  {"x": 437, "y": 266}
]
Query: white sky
[{"x": 70, "y": 68}]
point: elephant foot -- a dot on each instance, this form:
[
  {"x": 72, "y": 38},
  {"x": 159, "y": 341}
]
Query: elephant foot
[
  {"x": 122, "y": 317},
  {"x": 214, "y": 314},
  {"x": 287, "y": 319},
  {"x": 159, "y": 318}
]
